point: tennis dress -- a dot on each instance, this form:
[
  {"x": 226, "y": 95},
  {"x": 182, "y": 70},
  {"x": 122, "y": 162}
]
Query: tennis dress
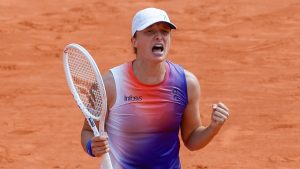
[{"x": 143, "y": 124}]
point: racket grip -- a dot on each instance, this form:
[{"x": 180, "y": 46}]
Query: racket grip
[{"x": 106, "y": 162}]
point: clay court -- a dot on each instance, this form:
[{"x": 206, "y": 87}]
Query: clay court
[{"x": 245, "y": 53}]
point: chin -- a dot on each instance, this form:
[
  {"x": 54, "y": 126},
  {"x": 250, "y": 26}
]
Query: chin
[
  {"x": 162, "y": 55},
  {"x": 159, "y": 58}
]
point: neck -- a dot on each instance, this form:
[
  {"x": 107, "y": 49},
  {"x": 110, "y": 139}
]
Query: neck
[{"x": 149, "y": 73}]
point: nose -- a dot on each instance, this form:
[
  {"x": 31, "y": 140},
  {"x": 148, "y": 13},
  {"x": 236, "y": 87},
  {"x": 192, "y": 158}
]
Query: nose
[{"x": 158, "y": 35}]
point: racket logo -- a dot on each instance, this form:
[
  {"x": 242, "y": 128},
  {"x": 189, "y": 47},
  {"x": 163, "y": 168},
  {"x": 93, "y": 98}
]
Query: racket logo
[
  {"x": 89, "y": 90},
  {"x": 92, "y": 95}
]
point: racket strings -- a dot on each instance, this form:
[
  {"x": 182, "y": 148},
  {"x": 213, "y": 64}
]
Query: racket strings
[{"x": 90, "y": 91}]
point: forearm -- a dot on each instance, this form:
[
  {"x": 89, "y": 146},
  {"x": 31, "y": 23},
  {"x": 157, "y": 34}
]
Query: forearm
[
  {"x": 200, "y": 137},
  {"x": 85, "y": 136}
]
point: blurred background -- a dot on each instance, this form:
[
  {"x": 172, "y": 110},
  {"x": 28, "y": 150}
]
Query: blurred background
[{"x": 245, "y": 53}]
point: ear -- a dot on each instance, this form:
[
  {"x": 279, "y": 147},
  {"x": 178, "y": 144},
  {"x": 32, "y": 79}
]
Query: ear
[{"x": 134, "y": 42}]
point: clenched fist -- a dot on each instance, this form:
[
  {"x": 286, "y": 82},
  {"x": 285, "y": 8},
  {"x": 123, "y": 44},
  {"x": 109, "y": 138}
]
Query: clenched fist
[{"x": 220, "y": 114}]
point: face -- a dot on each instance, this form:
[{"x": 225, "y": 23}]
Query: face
[{"x": 153, "y": 43}]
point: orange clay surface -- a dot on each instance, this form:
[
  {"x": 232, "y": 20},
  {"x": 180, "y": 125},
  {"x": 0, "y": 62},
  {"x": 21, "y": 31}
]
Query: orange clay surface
[{"x": 245, "y": 53}]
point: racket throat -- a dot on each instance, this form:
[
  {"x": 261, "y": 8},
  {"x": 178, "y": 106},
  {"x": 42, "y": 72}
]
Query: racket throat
[{"x": 91, "y": 121}]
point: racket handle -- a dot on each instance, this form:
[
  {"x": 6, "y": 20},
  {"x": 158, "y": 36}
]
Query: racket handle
[
  {"x": 93, "y": 126},
  {"x": 106, "y": 162}
]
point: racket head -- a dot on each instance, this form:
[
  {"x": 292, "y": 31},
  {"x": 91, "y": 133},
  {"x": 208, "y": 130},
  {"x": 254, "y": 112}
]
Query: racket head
[{"x": 85, "y": 81}]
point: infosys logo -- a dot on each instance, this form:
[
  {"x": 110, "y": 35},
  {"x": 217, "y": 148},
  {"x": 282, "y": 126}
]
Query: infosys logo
[{"x": 133, "y": 98}]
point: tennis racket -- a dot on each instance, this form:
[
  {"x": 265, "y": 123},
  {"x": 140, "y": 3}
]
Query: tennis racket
[{"x": 86, "y": 84}]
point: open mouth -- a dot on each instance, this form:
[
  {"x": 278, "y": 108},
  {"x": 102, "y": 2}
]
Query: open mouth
[{"x": 158, "y": 49}]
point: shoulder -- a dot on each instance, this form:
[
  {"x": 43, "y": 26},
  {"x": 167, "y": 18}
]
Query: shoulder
[
  {"x": 193, "y": 85},
  {"x": 120, "y": 68},
  {"x": 108, "y": 78},
  {"x": 191, "y": 79}
]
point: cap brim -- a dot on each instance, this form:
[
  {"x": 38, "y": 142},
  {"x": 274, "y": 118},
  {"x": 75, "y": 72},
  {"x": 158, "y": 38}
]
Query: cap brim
[{"x": 172, "y": 26}]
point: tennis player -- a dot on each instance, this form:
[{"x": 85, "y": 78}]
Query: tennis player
[{"x": 151, "y": 99}]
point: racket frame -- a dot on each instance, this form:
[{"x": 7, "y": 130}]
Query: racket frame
[{"x": 89, "y": 117}]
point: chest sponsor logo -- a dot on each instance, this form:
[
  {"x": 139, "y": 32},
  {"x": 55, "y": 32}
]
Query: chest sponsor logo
[{"x": 131, "y": 98}]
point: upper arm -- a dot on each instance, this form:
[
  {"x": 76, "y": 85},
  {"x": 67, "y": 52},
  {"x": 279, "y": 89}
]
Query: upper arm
[
  {"x": 110, "y": 88},
  {"x": 191, "y": 117}
]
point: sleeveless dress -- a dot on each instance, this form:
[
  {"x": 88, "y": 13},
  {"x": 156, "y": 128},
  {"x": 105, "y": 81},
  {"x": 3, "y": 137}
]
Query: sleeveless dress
[{"x": 143, "y": 124}]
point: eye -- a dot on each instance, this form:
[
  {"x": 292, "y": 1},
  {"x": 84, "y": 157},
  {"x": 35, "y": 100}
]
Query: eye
[
  {"x": 165, "y": 32},
  {"x": 149, "y": 32}
]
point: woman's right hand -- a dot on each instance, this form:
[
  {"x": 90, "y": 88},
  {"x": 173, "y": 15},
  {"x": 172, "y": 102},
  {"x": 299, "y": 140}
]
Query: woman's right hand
[{"x": 99, "y": 145}]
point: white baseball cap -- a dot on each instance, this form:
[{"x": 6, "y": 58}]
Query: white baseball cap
[{"x": 147, "y": 17}]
